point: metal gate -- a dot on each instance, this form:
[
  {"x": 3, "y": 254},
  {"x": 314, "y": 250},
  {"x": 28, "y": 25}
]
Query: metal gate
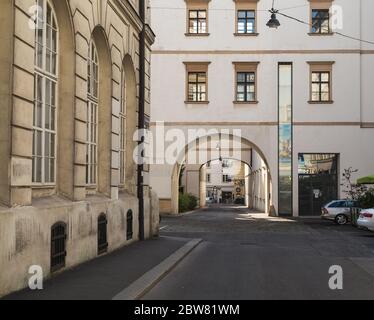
[
  {"x": 58, "y": 246},
  {"x": 315, "y": 191},
  {"x": 102, "y": 242}
]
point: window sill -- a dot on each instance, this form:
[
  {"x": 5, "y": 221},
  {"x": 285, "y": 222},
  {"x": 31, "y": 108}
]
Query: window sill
[
  {"x": 196, "y": 102},
  {"x": 197, "y": 34},
  {"x": 245, "y": 102},
  {"x": 320, "y": 34},
  {"x": 254, "y": 34},
  {"x": 321, "y": 102}
]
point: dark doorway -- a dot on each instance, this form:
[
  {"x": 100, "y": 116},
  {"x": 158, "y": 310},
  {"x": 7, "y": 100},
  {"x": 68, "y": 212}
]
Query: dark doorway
[{"x": 318, "y": 182}]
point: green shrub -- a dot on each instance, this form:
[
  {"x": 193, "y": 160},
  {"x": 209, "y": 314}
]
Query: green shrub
[
  {"x": 183, "y": 202},
  {"x": 366, "y": 201},
  {"x": 187, "y": 202},
  {"x": 192, "y": 202}
]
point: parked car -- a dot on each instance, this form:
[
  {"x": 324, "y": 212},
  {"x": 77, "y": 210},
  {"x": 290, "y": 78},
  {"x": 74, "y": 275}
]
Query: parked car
[
  {"x": 338, "y": 211},
  {"x": 366, "y": 219},
  {"x": 209, "y": 200}
]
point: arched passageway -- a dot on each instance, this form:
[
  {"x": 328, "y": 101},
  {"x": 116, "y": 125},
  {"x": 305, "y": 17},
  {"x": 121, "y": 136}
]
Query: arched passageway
[{"x": 205, "y": 149}]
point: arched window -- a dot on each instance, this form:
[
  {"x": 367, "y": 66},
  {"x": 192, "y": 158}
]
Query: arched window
[
  {"x": 45, "y": 104},
  {"x": 92, "y": 114},
  {"x": 122, "y": 137}
]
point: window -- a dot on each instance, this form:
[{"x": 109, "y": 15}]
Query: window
[
  {"x": 245, "y": 73},
  {"x": 58, "y": 246},
  {"x": 320, "y": 86},
  {"x": 197, "y": 86},
  {"x": 122, "y": 137},
  {"x": 320, "y": 21},
  {"x": 226, "y": 178},
  {"x": 245, "y": 86},
  {"x": 246, "y": 21},
  {"x": 321, "y": 76},
  {"x": 226, "y": 164},
  {"x": 92, "y": 115},
  {"x": 102, "y": 242},
  {"x": 197, "y": 21},
  {"x": 197, "y": 81},
  {"x": 320, "y": 17},
  {"x": 45, "y": 101},
  {"x": 208, "y": 178},
  {"x": 129, "y": 219},
  {"x": 197, "y": 17},
  {"x": 246, "y": 11}
]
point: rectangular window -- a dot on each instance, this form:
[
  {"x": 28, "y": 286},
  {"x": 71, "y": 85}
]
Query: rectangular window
[
  {"x": 285, "y": 129},
  {"x": 91, "y": 144},
  {"x": 197, "y": 82},
  {"x": 320, "y": 81},
  {"x": 246, "y": 82},
  {"x": 320, "y": 21},
  {"x": 197, "y": 21},
  {"x": 320, "y": 86},
  {"x": 246, "y": 21},
  {"x": 245, "y": 86},
  {"x": 196, "y": 86},
  {"x": 226, "y": 178}
]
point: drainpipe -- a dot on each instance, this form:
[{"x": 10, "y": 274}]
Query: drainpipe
[{"x": 141, "y": 122}]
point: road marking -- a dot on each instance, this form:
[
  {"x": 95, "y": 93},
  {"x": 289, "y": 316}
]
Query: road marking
[
  {"x": 146, "y": 282},
  {"x": 164, "y": 227}
]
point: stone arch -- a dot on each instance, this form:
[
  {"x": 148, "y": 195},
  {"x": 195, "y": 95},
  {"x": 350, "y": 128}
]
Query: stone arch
[
  {"x": 66, "y": 99},
  {"x": 182, "y": 156},
  {"x": 131, "y": 123},
  {"x": 104, "y": 111}
]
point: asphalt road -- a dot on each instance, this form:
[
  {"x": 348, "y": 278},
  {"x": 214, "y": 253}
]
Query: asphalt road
[{"x": 246, "y": 255}]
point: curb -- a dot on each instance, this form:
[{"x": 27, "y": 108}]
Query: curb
[{"x": 146, "y": 282}]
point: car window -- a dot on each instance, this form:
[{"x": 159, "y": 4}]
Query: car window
[
  {"x": 351, "y": 204},
  {"x": 337, "y": 204}
]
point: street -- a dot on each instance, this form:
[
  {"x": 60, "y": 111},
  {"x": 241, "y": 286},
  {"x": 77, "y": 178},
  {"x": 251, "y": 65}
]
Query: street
[
  {"x": 251, "y": 256},
  {"x": 242, "y": 255}
]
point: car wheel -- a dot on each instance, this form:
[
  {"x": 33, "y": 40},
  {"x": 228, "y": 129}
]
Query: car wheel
[{"x": 341, "y": 219}]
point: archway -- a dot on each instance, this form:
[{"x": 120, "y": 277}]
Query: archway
[{"x": 243, "y": 146}]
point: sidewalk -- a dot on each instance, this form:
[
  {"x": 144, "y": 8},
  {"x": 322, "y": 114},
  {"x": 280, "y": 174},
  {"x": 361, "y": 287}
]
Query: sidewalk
[{"x": 105, "y": 277}]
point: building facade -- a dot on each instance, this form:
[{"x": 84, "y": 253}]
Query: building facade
[
  {"x": 69, "y": 92},
  {"x": 300, "y": 95}
]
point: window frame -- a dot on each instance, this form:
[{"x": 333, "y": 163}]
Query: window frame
[
  {"x": 92, "y": 117},
  {"x": 198, "y": 20},
  {"x": 320, "y": 22},
  {"x": 122, "y": 128},
  {"x": 246, "y": 67},
  {"x": 321, "y": 67},
  {"x": 199, "y": 6},
  {"x": 47, "y": 76},
  {"x": 196, "y": 68},
  {"x": 245, "y": 5},
  {"x": 319, "y": 5}
]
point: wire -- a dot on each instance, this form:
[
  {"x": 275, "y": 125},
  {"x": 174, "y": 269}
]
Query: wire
[
  {"x": 336, "y": 32},
  {"x": 278, "y": 11}
]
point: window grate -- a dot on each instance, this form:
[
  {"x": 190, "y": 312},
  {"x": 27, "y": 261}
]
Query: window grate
[
  {"x": 102, "y": 241},
  {"x": 58, "y": 246},
  {"x": 130, "y": 220}
]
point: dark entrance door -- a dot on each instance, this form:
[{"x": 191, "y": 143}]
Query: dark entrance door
[{"x": 318, "y": 182}]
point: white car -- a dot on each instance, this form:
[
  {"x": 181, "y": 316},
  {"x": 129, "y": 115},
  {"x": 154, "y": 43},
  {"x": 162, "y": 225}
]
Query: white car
[{"x": 366, "y": 219}]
